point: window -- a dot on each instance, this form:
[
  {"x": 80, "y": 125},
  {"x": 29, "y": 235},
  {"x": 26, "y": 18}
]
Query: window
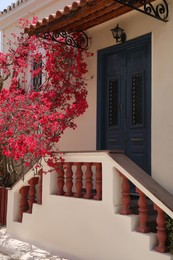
[{"x": 37, "y": 75}]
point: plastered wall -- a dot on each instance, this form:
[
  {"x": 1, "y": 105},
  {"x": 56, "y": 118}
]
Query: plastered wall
[
  {"x": 135, "y": 24},
  {"x": 77, "y": 228}
]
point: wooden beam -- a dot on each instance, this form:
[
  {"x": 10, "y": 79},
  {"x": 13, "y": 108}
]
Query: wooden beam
[{"x": 83, "y": 14}]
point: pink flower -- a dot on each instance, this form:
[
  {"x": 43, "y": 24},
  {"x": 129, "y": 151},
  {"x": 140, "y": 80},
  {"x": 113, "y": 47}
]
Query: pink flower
[{"x": 32, "y": 121}]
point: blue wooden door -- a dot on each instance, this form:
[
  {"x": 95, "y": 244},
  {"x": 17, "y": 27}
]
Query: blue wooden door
[{"x": 124, "y": 100}]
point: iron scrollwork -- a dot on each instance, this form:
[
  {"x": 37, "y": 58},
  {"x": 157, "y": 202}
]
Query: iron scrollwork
[
  {"x": 159, "y": 11},
  {"x": 77, "y": 39}
]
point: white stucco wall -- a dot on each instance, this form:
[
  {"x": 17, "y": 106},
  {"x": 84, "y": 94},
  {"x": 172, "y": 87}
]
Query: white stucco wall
[
  {"x": 9, "y": 21},
  {"x": 84, "y": 229},
  {"x": 135, "y": 24}
]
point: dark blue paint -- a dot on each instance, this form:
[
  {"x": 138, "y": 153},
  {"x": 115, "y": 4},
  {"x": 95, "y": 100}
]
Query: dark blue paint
[{"x": 122, "y": 62}]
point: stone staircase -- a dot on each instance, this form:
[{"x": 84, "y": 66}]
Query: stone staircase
[{"x": 85, "y": 226}]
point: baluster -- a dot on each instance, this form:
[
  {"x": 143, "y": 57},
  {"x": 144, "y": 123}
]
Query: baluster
[
  {"x": 125, "y": 196},
  {"x": 143, "y": 212},
  {"x": 69, "y": 179},
  {"x": 60, "y": 179},
  {"x": 161, "y": 230},
  {"x": 78, "y": 180},
  {"x": 23, "y": 201},
  {"x": 32, "y": 192},
  {"x": 89, "y": 184},
  {"x": 98, "y": 195},
  {"x": 3, "y": 205},
  {"x": 39, "y": 201}
]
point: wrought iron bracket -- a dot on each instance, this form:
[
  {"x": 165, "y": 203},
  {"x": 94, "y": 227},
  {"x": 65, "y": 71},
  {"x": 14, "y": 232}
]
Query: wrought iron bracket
[
  {"x": 77, "y": 39},
  {"x": 159, "y": 11}
]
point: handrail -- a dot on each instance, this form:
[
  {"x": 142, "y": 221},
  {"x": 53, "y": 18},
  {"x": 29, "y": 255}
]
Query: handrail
[
  {"x": 92, "y": 151},
  {"x": 146, "y": 181}
]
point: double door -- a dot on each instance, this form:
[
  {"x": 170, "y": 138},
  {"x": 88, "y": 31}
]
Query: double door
[{"x": 124, "y": 100}]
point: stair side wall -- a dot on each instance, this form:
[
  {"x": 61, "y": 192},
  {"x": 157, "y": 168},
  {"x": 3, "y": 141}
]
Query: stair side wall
[{"x": 82, "y": 229}]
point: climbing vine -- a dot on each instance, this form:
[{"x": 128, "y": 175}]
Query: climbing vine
[{"x": 33, "y": 118}]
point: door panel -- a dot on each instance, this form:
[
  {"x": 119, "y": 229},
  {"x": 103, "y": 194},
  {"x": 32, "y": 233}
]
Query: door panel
[
  {"x": 124, "y": 97},
  {"x": 136, "y": 105},
  {"x": 114, "y": 125}
]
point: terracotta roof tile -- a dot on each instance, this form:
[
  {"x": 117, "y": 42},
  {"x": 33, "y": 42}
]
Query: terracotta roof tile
[
  {"x": 67, "y": 9},
  {"x": 59, "y": 14},
  {"x": 51, "y": 17},
  {"x": 75, "y": 5},
  {"x": 12, "y": 6},
  {"x": 80, "y": 16},
  {"x": 85, "y": 13}
]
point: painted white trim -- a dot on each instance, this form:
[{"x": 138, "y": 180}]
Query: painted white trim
[
  {"x": 1, "y": 40},
  {"x": 24, "y": 9}
]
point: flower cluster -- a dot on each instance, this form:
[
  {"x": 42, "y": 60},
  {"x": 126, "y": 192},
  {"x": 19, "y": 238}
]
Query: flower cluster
[{"x": 33, "y": 120}]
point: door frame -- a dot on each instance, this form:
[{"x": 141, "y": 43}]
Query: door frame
[{"x": 101, "y": 68}]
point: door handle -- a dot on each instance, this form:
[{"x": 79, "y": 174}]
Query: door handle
[
  {"x": 112, "y": 140},
  {"x": 136, "y": 139}
]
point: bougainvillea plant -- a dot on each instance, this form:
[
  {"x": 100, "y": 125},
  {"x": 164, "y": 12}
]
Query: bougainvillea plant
[{"x": 32, "y": 120}]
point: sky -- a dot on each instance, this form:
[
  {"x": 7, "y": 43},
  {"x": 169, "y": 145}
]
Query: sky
[{"x": 5, "y": 3}]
